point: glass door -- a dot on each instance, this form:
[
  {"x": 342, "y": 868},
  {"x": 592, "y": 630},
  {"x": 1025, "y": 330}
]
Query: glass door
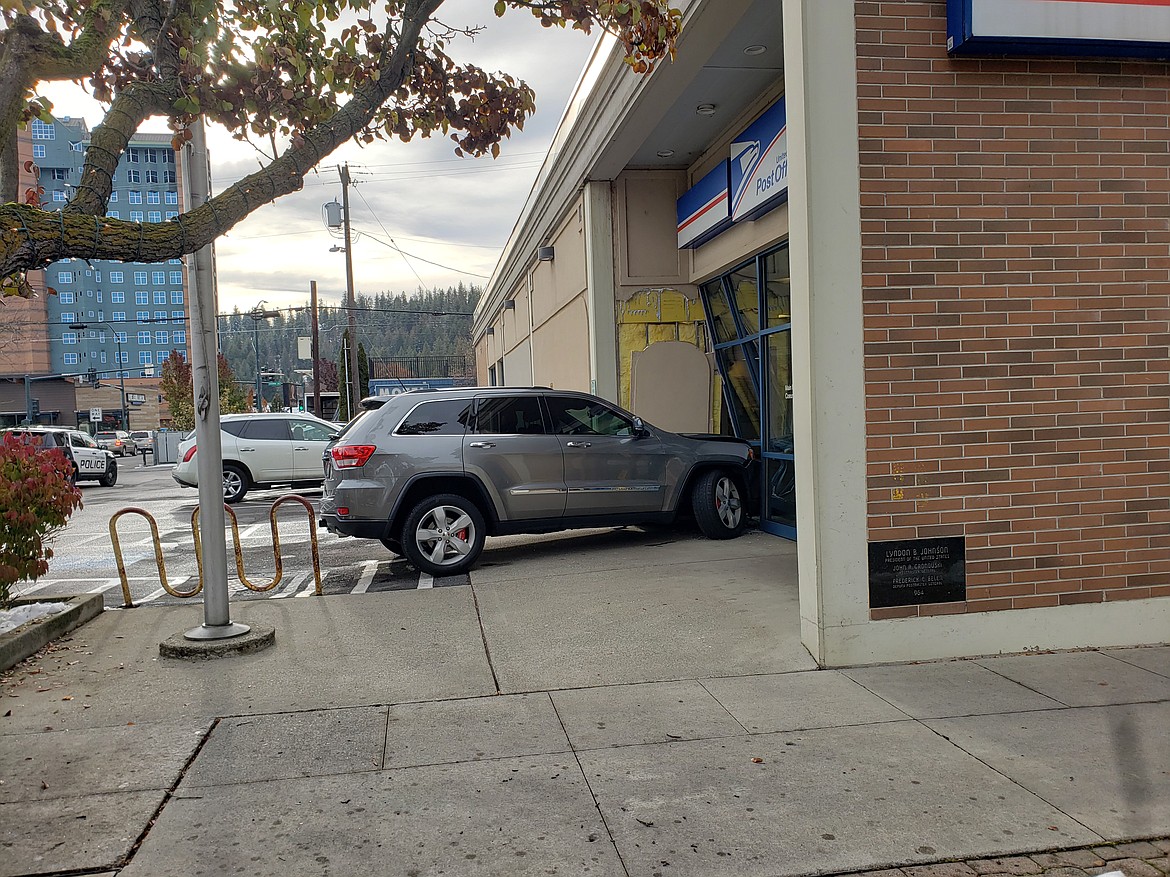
[{"x": 749, "y": 316}]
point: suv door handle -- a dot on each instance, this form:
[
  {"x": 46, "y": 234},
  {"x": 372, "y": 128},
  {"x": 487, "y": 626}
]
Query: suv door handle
[
  {"x": 246, "y": 450},
  {"x": 578, "y": 444},
  {"x": 482, "y": 445}
]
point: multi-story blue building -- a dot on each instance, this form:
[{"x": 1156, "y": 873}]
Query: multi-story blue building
[{"x": 113, "y": 318}]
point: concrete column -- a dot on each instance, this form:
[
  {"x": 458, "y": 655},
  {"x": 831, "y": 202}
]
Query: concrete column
[
  {"x": 820, "y": 72},
  {"x": 600, "y": 290}
]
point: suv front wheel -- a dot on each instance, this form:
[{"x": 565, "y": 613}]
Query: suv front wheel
[
  {"x": 444, "y": 534},
  {"x": 717, "y": 500}
]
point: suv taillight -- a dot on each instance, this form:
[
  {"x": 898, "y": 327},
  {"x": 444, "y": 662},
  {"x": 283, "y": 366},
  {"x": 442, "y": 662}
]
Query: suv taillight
[
  {"x": 351, "y": 456},
  {"x": 190, "y": 453}
]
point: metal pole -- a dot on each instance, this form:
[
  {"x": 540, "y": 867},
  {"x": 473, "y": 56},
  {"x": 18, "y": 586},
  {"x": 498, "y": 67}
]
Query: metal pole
[
  {"x": 316, "y": 350},
  {"x": 217, "y": 623},
  {"x": 28, "y": 400},
  {"x": 122, "y": 382},
  {"x": 353, "y": 373},
  {"x": 259, "y": 400}
]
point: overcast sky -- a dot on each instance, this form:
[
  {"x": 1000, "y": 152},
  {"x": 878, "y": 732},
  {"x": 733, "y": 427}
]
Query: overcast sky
[{"x": 455, "y": 212}]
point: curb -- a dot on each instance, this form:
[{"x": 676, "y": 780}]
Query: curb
[{"x": 18, "y": 644}]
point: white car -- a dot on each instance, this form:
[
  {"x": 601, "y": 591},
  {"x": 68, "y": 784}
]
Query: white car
[
  {"x": 90, "y": 462},
  {"x": 263, "y": 450}
]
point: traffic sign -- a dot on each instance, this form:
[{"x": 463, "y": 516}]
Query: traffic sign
[{"x": 95, "y": 415}]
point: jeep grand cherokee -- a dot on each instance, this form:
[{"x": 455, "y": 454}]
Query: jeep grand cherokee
[{"x": 432, "y": 473}]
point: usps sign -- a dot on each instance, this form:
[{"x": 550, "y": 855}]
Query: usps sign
[
  {"x": 1102, "y": 28},
  {"x": 705, "y": 210},
  {"x": 759, "y": 165}
]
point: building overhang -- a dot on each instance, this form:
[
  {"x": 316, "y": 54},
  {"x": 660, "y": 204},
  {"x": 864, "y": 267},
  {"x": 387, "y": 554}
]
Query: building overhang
[{"x": 617, "y": 119}]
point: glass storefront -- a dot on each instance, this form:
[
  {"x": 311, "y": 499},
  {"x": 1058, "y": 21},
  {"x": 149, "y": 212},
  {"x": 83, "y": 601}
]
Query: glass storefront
[{"x": 749, "y": 316}]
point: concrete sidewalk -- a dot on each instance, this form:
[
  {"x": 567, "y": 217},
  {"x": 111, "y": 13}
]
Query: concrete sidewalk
[{"x": 648, "y": 712}]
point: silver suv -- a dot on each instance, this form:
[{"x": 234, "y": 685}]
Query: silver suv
[{"x": 432, "y": 473}]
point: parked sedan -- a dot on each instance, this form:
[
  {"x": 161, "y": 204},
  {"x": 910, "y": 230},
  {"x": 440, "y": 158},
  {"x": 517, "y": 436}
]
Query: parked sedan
[{"x": 262, "y": 450}]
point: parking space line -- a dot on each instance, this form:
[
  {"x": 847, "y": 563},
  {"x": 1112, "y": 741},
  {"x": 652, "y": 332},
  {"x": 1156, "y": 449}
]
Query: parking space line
[
  {"x": 150, "y": 598},
  {"x": 369, "y": 570},
  {"x": 425, "y": 580},
  {"x": 31, "y": 588},
  {"x": 290, "y": 589},
  {"x": 101, "y": 589}
]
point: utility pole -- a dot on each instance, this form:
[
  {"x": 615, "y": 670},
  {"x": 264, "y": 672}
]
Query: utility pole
[
  {"x": 352, "y": 379},
  {"x": 316, "y": 350}
]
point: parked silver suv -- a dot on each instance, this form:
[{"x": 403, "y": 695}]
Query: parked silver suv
[{"x": 432, "y": 473}]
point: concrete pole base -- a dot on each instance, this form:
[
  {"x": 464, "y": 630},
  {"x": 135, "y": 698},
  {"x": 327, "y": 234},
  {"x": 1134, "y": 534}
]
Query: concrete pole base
[{"x": 251, "y": 640}]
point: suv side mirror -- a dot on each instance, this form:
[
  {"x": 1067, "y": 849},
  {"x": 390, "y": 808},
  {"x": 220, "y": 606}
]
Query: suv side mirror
[{"x": 640, "y": 430}]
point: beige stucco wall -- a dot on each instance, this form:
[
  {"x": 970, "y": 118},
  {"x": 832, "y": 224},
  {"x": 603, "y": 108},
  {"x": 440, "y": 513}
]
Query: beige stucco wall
[
  {"x": 544, "y": 339},
  {"x": 560, "y": 347}
]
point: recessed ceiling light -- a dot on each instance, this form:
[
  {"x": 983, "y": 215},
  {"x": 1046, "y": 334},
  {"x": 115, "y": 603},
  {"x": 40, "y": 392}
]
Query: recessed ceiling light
[
  {"x": 705, "y": 109},
  {"x": 755, "y": 50},
  {"x": 665, "y": 153}
]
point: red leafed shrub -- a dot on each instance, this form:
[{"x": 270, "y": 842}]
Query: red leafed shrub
[{"x": 37, "y": 497}]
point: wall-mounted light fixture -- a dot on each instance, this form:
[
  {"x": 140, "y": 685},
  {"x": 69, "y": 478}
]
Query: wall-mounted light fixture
[
  {"x": 545, "y": 254},
  {"x": 705, "y": 109},
  {"x": 510, "y": 305}
]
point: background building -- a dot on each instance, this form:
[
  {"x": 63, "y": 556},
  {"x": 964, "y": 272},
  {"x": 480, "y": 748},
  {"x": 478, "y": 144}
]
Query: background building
[
  {"x": 930, "y": 284},
  {"x": 97, "y": 319}
]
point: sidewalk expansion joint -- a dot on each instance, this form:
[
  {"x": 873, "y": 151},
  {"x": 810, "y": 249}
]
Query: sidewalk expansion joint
[
  {"x": 170, "y": 793},
  {"x": 592, "y": 794},
  {"x": 483, "y": 637}
]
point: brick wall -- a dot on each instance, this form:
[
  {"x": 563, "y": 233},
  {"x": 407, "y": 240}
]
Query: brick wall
[{"x": 1016, "y": 288}]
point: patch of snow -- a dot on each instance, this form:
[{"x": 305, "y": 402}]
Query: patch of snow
[{"x": 10, "y": 619}]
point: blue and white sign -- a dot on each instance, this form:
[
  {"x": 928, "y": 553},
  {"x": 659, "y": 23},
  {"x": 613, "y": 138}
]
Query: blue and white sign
[
  {"x": 705, "y": 210},
  {"x": 398, "y": 386},
  {"x": 759, "y": 165},
  {"x": 1102, "y": 28},
  {"x": 748, "y": 185}
]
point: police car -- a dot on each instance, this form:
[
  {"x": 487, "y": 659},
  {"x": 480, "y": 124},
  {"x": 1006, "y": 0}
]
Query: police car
[{"x": 90, "y": 463}]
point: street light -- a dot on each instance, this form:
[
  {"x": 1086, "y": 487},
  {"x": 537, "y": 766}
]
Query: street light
[
  {"x": 257, "y": 314},
  {"x": 125, "y": 415}
]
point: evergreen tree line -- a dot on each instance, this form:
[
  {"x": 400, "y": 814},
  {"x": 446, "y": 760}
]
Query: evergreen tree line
[{"x": 388, "y": 325}]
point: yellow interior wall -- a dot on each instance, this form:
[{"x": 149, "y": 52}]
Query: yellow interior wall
[{"x": 652, "y": 315}]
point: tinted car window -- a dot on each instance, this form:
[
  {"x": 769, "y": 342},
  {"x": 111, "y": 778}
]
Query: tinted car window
[
  {"x": 232, "y": 427},
  {"x": 79, "y": 440},
  {"x": 573, "y": 416},
  {"x": 263, "y": 429},
  {"x": 517, "y": 415},
  {"x": 448, "y": 417}
]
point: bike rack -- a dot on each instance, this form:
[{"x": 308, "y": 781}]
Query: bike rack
[
  {"x": 128, "y": 602},
  {"x": 237, "y": 546}
]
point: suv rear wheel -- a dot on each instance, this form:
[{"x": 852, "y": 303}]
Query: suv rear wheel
[
  {"x": 717, "y": 500},
  {"x": 444, "y": 534},
  {"x": 235, "y": 483}
]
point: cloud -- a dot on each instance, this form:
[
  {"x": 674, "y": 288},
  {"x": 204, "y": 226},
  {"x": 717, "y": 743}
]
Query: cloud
[{"x": 454, "y": 212}]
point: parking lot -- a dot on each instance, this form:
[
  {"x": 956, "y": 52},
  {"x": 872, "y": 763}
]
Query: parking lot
[{"x": 84, "y": 558}]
